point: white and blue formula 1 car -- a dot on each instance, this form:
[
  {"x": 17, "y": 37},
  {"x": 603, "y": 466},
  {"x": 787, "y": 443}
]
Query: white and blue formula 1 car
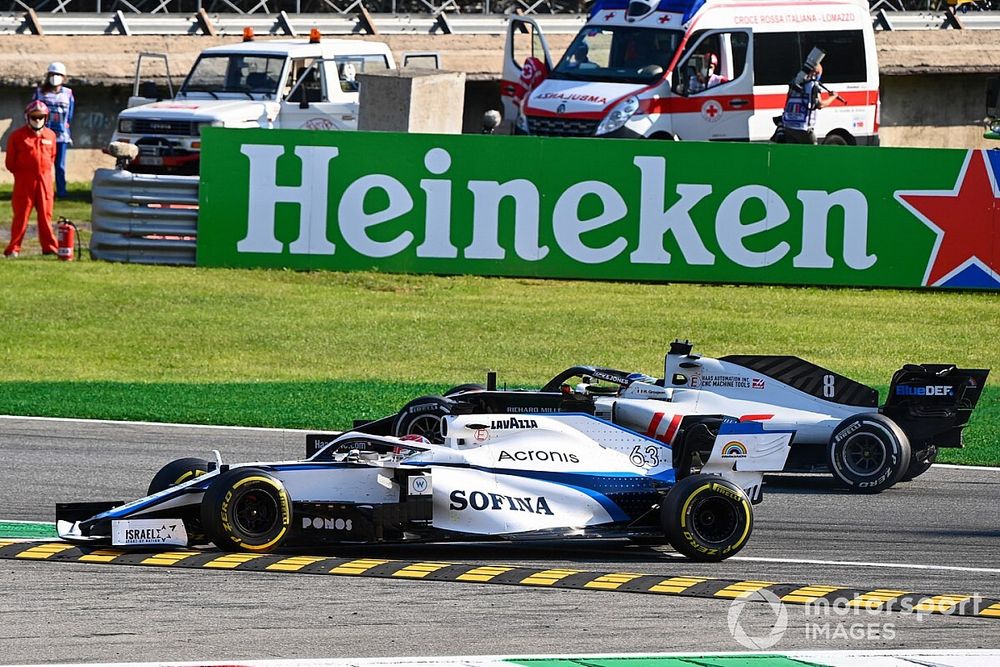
[
  {"x": 493, "y": 477},
  {"x": 838, "y": 423}
]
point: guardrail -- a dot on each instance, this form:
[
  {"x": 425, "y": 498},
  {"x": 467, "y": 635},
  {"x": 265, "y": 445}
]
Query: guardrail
[
  {"x": 144, "y": 219},
  {"x": 202, "y": 23}
]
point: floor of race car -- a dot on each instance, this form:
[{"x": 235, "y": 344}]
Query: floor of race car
[{"x": 938, "y": 535}]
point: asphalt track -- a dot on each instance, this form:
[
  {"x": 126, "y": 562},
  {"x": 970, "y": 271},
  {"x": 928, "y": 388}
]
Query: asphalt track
[{"x": 938, "y": 534}]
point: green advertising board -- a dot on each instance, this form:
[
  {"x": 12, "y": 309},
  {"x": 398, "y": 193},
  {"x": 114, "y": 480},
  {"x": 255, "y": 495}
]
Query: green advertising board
[{"x": 601, "y": 209}]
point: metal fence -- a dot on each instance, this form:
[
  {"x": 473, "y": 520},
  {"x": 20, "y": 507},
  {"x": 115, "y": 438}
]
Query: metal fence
[
  {"x": 395, "y": 6},
  {"x": 120, "y": 23},
  {"x": 144, "y": 219}
]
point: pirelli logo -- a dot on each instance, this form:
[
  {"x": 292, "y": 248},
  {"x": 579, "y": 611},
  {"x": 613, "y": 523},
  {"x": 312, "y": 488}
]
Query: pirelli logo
[{"x": 621, "y": 582}]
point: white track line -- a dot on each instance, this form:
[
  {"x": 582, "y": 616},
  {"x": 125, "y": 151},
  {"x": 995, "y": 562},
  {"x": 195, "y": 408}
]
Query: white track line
[
  {"x": 952, "y": 466},
  {"x": 134, "y": 423},
  {"x": 898, "y": 566},
  {"x": 904, "y": 658}
]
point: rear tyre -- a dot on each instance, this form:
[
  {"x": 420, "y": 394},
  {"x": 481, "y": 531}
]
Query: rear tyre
[
  {"x": 920, "y": 463},
  {"x": 247, "y": 509},
  {"x": 834, "y": 140},
  {"x": 707, "y": 518},
  {"x": 177, "y": 472},
  {"x": 869, "y": 453},
  {"x": 423, "y": 416}
]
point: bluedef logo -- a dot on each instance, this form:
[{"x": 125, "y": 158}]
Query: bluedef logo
[
  {"x": 513, "y": 423},
  {"x": 929, "y": 390},
  {"x": 480, "y": 501}
]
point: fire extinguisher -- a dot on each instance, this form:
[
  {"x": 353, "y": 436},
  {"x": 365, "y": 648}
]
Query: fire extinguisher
[{"x": 66, "y": 235}]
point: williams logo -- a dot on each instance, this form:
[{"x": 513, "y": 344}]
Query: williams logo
[
  {"x": 513, "y": 423},
  {"x": 480, "y": 501}
]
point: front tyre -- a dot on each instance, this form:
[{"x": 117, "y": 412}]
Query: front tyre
[
  {"x": 247, "y": 509},
  {"x": 707, "y": 518},
  {"x": 868, "y": 453},
  {"x": 177, "y": 472},
  {"x": 423, "y": 416}
]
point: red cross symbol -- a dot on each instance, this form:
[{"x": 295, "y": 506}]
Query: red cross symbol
[
  {"x": 609, "y": 16},
  {"x": 664, "y": 18},
  {"x": 712, "y": 110}
]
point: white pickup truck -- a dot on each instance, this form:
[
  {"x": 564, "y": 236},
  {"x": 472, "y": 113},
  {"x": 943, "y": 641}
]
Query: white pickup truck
[{"x": 273, "y": 84}]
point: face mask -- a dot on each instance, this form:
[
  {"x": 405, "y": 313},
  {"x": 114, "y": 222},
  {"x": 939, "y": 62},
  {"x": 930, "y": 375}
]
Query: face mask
[
  {"x": 56, "y": 79},
  {"x": 36, "y": 123}
]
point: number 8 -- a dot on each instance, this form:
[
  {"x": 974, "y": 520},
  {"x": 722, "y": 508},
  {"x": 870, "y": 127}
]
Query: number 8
[{"x": 828, "y": 389}]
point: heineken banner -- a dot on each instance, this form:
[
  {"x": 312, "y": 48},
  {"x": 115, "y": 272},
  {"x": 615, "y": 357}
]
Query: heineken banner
[{"x": 599, "y": 208}]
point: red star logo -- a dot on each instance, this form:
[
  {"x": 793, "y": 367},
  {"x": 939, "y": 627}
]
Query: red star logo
[
  {"x": 964, "y": 219},
  {"x": 609, "y": 16},
  {"x": 664, "y": 18}
]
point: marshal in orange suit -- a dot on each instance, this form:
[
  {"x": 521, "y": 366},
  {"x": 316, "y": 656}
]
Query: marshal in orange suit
[{"x": 31, "y": 154}]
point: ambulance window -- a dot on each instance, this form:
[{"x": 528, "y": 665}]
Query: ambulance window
[
  {"x": 845, "y": 54},
  {"x": 776, "y": 58},
  {"x": 738, "y": 44},
  {"x": 714, "y": 61},
  {"x": 525, "y": 43},
  {"x": 779, "y": 56}
]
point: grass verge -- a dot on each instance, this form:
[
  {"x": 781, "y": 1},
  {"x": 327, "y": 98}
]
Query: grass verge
[
  {"x": 329, "y": 405},
  {"x": 315, "y": 350}
]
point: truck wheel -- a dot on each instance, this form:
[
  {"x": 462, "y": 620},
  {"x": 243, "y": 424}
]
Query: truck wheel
[
  {"x": 707, "y": 518},
  {"x": 834, "y": 140},
  {"x": 462, "y": 388},
  {"x": 868, "y": 452},
  {"x": 247, "y": 509},
  {"x": 177, "y": 472},
  {"x": 920, "y": 463},
  {"x": 423, "y": 416}
]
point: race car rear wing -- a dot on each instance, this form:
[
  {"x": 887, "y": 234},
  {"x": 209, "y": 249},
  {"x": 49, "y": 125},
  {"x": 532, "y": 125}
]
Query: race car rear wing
[{"x": 932, "y": 403}]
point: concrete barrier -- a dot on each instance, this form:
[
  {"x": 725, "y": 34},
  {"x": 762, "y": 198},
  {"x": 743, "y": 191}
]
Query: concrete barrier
[{"x": 427, "y": 101}]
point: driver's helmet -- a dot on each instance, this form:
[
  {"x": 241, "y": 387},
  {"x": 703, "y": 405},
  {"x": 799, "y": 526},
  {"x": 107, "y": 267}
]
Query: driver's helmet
[{"x": 640, "y": 377}]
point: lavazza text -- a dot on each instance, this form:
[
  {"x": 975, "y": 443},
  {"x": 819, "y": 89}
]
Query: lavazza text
[{"x": 655, "y": 219}]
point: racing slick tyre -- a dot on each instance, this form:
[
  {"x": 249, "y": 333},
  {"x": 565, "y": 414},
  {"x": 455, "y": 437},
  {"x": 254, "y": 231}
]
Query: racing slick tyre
[
  {"x": 247, "y": 509},
  {"x": 869, "y": 453},
  {"x": 707, "y": 518},
  {"x": 423, "y": 416},
  {"x": 459, "y": 389},
  {"x": 920, "y": 463},
  {"x": 177, "y": 472}
]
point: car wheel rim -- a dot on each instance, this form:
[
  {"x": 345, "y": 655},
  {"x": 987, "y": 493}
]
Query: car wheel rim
[
  {"x": 714, "y": 520},
  {"x": 255, "y": 512},
  {"x": 864, "y": 455},
  {"x": 427, "y": 426}
]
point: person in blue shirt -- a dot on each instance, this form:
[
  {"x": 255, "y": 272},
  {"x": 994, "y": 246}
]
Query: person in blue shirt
[
  {"x": 804, "y": 99},
  {"x": 59, "y": 99}
]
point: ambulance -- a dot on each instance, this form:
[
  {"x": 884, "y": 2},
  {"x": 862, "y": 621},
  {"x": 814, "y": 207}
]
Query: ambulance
[{"x": 715, "y": 70}]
